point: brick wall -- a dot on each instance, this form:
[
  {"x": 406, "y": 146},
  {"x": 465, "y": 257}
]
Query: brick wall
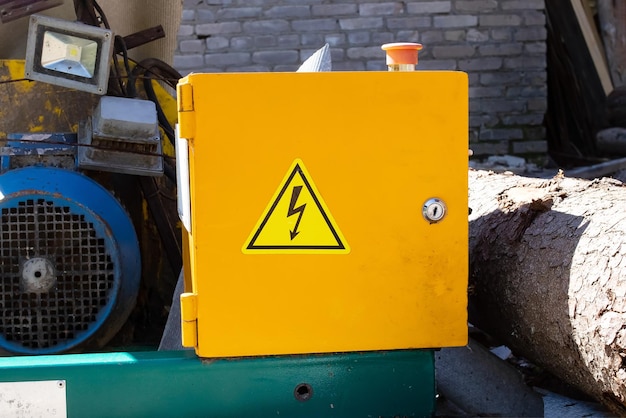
[{"x": 501, "y": 44}]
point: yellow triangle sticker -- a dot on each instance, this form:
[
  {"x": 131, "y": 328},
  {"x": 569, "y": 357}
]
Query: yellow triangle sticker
[{"x": 296, "y": 221}]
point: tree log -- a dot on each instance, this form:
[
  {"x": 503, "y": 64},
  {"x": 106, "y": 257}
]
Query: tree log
[{"x": 548, "y": 275}]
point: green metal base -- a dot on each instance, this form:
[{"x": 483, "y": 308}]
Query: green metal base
[{"x": 177, "y": 383}]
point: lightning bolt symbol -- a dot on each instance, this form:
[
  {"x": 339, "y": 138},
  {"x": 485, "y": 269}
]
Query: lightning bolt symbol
[{"x": 293, "y": 210}]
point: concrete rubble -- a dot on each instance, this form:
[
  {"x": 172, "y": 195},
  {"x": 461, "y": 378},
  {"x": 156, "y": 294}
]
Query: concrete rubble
[
  {"x": 473, "y": 381},
  {"x": 510, "y": 163}
]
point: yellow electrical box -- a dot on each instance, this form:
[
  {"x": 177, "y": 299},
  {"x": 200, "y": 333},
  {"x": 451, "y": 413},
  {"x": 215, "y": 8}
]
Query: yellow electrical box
[{"x": 327, "y": 212}]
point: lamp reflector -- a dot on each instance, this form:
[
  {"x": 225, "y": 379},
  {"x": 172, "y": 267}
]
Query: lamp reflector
[{"x": 69, "y": 54}]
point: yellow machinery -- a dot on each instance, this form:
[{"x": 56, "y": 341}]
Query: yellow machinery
[{"x": 325, "y": 256}]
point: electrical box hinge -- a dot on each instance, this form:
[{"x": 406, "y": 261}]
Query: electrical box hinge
[
  {"x": 186, "y": 118},
  {"x": 189, "y": 319}
]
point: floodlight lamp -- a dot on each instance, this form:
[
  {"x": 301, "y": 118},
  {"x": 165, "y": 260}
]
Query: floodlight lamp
[{"x": 69, "y": 54}]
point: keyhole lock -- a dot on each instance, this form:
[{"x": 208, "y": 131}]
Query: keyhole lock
[{"x": 434, "y": 210}]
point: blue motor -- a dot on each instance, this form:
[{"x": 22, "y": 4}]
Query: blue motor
[{"x": 69, "y": 262}]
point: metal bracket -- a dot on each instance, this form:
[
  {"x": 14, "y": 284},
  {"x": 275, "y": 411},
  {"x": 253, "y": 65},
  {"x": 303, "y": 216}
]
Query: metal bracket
[
  {"x": 14, "y": 9},
  {"x": 46, "y": 149}
]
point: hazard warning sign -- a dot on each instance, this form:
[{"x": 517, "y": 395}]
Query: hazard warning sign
[{"x": 296, "y": 221}]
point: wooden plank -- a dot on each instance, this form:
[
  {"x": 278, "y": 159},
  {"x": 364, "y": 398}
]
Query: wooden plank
[
  {"x": 593, "y": 44},
  {"x": 577, "y": 99},
  {"x": 612, "y": 17}
]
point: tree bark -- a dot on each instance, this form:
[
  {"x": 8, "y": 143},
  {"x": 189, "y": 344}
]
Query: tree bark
[{"x": 548, "y": 275}]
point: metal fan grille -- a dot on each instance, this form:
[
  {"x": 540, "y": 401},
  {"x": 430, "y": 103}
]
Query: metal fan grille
[{"x": 82, "y": 281}]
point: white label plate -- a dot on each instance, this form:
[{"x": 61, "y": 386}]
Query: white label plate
[{"x": 46, "y": 398}]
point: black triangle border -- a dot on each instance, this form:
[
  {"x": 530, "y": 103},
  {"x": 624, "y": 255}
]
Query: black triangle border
[{"x": 296, "y": 170}]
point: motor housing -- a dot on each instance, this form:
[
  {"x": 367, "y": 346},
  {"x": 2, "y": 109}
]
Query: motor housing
[{"x": 70, "y": 264}]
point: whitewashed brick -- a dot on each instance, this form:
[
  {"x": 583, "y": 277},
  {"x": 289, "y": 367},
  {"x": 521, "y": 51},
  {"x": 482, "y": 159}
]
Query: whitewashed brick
[{"x": 428, "y": 7}]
